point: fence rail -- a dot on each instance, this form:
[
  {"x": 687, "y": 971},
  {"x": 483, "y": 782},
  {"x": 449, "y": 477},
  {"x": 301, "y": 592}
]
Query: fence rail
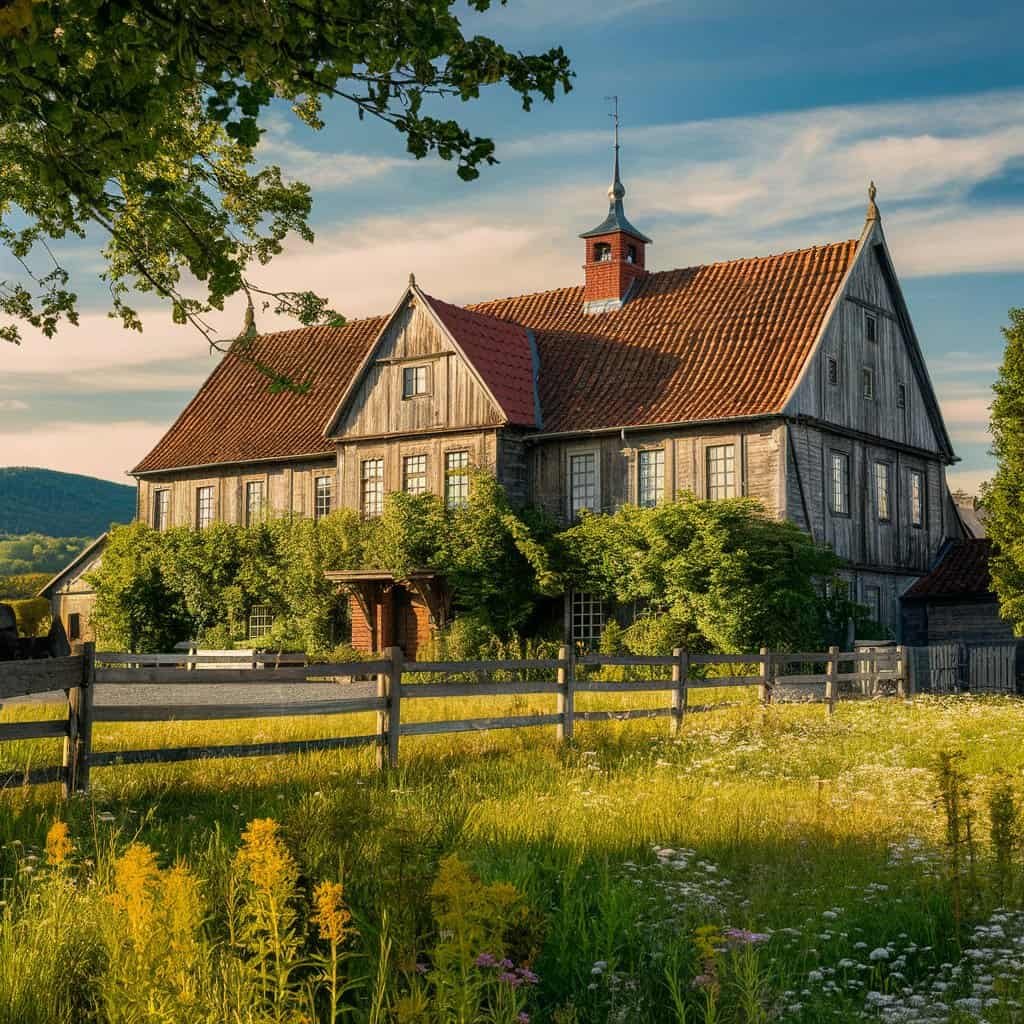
[{"x": 78, "y": 675}]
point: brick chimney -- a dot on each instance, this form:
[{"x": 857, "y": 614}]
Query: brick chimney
[{"x": 615, "y": 258}]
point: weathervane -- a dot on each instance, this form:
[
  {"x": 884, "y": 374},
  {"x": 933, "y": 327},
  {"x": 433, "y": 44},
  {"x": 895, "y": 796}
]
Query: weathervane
[{"x": 617, "y": 190}]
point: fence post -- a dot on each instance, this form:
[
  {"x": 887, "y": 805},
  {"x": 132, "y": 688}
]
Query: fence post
[
  {"x": 680, "y": 692},
  {"x": 389, "y": 689},
  {"x": 830, "y": 679},
  {"x": 78, "y": 744},
  {"x": 565, "y": 701},
  {"x": 69, "y": 761},
  {"x": 764, "y": 689},
  {"x": 904, "y": 677}
]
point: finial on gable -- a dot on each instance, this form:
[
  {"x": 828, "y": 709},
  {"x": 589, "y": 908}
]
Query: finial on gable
[
  {"x": 412, "y": 279},
  {"x": 873, "y": 213}
]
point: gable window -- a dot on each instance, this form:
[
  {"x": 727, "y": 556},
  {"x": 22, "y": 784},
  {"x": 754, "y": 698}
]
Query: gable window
[
  {"x": 323, "y": 496},
  {"x": 204, "y": 507},
  {"x": 631, "y": 254},
  {"x": 414, "y": 474},
  {"x": 833, "y": 370},
  {"x": 916, "y": 499},
  {"x": 254, "y": 502},
  {"x": 415, "y": 381},
  {"x": 873, "y": 603},
  {"x": 371, "y": 488},
  {"x": 75, "y": 626},
  {"x": 901, "y": 396},
  {"x": 882, "y": 491},
  {"x": 456, "y": 479},
  {"x": 583, "y": 483},
  {"x": 587, "y": 620},
  {"x": 867, "y": 383},
  {"x": 840, "y": 463},
  {"x": 721, "y": 471},
  {"x": 651, "y": 477},
  {"x": 161, "y": 510},
  {"x": 261, "y": 620},
  {"x": 871, "y": 326},
  {"x": 602, "y": 252}
]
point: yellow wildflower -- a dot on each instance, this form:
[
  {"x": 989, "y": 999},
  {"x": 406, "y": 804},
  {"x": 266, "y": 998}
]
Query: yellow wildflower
[
  {"x": 136, "y": 877},
  {"x": 59, "y": 846},
  {"x": 331, "y": 914},
  {"x": 265, "y": 859}
]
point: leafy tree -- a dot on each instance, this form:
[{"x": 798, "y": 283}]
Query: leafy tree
[
  {"x": 1004, "y": 496},
  {"x": 722, "y": 574},
  {"x": 140, "y": 120},
  {"x": 32, "y": 552},
  {"x": 21, "y": 585}
]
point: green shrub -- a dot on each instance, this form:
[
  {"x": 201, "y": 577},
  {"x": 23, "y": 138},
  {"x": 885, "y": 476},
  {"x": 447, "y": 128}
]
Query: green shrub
[{"x": 32, "y": 615}]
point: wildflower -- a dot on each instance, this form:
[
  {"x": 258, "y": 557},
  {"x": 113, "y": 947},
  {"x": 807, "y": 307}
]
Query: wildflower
[
  {"x": 265, "y": 858},
  {"x": 486, "y": 960},
  {"x": 527, "y": 975},
  {"x": 743, "y": 937},
  {"x": 331, "y": 914},
  {"x": 523, "y": 1017},
  {"x": 881, "y": 953},
  {"x": 508, "y": 978},
  {"x": 136, "y": 876},
  {"x": 59, "y": 846}
]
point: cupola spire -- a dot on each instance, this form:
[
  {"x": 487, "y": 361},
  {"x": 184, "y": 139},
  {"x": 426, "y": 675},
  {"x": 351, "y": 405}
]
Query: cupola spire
[{"x": 615, "y": 248}]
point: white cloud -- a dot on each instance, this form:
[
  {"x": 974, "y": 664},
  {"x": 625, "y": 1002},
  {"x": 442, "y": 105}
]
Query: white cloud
[{"x": 105, "y": 450}]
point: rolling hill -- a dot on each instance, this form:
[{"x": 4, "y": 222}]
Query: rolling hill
[{"x": 61, "y": 504}]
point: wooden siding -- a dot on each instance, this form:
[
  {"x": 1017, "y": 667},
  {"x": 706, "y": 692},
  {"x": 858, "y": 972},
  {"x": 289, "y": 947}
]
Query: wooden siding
[
  {"x": 288, "y": 487},
  {"x": 889, "y": 359},
  {"x": 455, "y": 397}
]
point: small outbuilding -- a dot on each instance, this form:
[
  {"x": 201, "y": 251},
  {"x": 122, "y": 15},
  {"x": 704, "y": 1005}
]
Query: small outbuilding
[{"x": 71, "y": 596}]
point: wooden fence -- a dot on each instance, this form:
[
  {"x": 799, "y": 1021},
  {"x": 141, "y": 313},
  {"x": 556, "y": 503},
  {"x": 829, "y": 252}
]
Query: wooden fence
[{"x": 827, "y": 676}]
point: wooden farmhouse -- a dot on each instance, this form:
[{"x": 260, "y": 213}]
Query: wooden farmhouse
[{"x": 796, "y": 379}]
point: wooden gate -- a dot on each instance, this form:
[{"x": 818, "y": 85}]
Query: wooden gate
[
  {"x": 960, "y": 667},
  {"x": 992, "y": 668}
]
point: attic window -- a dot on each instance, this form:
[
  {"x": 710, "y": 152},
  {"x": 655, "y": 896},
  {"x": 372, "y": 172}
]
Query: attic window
[
  {"x": 833, "y": 370},
  {"x": 631, "y": 254},
  {"x": 602, "y": 252},
  {"x": 901, "y": 396},
  {"x": 871, "y": 326},
  {"x": 415, "y": 381},
  {"x": 867, "y": 383}
]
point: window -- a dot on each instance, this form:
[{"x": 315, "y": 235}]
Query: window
[
  {"x": 371, "y": 488},
  {"x": 415, "y": 381},
  {"x": 916, "y": 499},
  {"x": 840, "y": 483},
  {"x": 901, "y": 396},
  {"x": 587, "y": 619},
  {"x": 253, "y": 502},
  {"x": 456, "y": 479},
  {"x": 833, "y": 370},
  {"x": 583, "y": 484},
  {"x": 161, "y": 510},
  {"x": 323, "y": 496},
  {"x": 261, "y": 619},
  {"x": 867, "y": 383},
  {"x": 204, "y": 507},
  {"x": 602, "y": 252},
  {"x": 721, "y": 471},
  {"x": 873, "y": 603},
  {"x": 871, "y": 327},
  {"x": 882, "y": 491},
  {"x": 651, "y": 477},
  {"x": 74, "y": 626},
  {"x": 631, "y": 254},
  {"x": 414, "y": 474}
]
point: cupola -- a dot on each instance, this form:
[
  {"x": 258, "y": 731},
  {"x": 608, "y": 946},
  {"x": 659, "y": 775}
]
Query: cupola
[{"x": 615, "y": 258}]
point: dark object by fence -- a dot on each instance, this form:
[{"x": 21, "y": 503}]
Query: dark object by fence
[{"x": 22, "y": 648}]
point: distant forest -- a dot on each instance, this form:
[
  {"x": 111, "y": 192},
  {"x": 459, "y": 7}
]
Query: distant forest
[{"x": 59, "y": 505}]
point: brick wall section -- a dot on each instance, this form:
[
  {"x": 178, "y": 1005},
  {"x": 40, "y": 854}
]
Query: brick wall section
[
  {"x": 362, "y": 634},
  {"x": 612, "y": 278}
]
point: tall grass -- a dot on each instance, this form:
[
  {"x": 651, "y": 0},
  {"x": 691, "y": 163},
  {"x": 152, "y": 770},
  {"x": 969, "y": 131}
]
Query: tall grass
[{"x": 766, "y": 864}]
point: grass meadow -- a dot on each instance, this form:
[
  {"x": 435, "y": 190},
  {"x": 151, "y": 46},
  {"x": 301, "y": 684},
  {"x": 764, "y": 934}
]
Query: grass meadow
[{"x": 767, "y": 864}]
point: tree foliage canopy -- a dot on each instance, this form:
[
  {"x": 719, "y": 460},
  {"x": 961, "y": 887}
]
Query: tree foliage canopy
[
  {"x": 1004, "y": 497},
  {"x": 142, "y": 119}
]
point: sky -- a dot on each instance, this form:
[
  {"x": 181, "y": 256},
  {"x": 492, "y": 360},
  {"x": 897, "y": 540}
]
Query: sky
[{"x": 746, "y": 130}]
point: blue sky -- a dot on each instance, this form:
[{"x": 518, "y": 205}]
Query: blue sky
[{"x": 745, "y": 131}]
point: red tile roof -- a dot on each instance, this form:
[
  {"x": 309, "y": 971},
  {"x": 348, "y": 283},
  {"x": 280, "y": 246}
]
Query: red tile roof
[
  {"x": 501, "y": 353},
  {"x": 962, "y": 572},
  {"x": 726, "y": 340}
]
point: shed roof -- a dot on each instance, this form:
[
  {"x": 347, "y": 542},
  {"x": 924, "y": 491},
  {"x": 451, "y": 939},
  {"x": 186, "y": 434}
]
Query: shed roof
[{"x": 961, "y": 572}]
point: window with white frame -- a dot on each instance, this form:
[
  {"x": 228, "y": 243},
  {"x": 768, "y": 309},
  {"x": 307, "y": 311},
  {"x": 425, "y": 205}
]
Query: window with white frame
[
  {"x": 204, "y": 507},
  {"x": 650, "y": 477},
  {"x": 161, "y": 509},
  {"x": 261, "y": 620},
  {"x": 882, "y": 475},
  {"x": 583, "y": 483},
  {"x": 720, "y": 461},
  {"x": 456, "y": 479},
  {"x": 871, "y": 326},
  {"x": 916, "y": 499},
  {"x": 323, "y": 496},
  {"x": 587, "y": 619},
  {"x": 371, "y": 488},
  {"x": 873, "y": 603},
  {"x": 415, "y": 381},
  {"x": 840, "y": 465},
  {"x": 867, "y": 383},
  {"x": 254, "y": 501},
  {"x": 414, "y": 474}
]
